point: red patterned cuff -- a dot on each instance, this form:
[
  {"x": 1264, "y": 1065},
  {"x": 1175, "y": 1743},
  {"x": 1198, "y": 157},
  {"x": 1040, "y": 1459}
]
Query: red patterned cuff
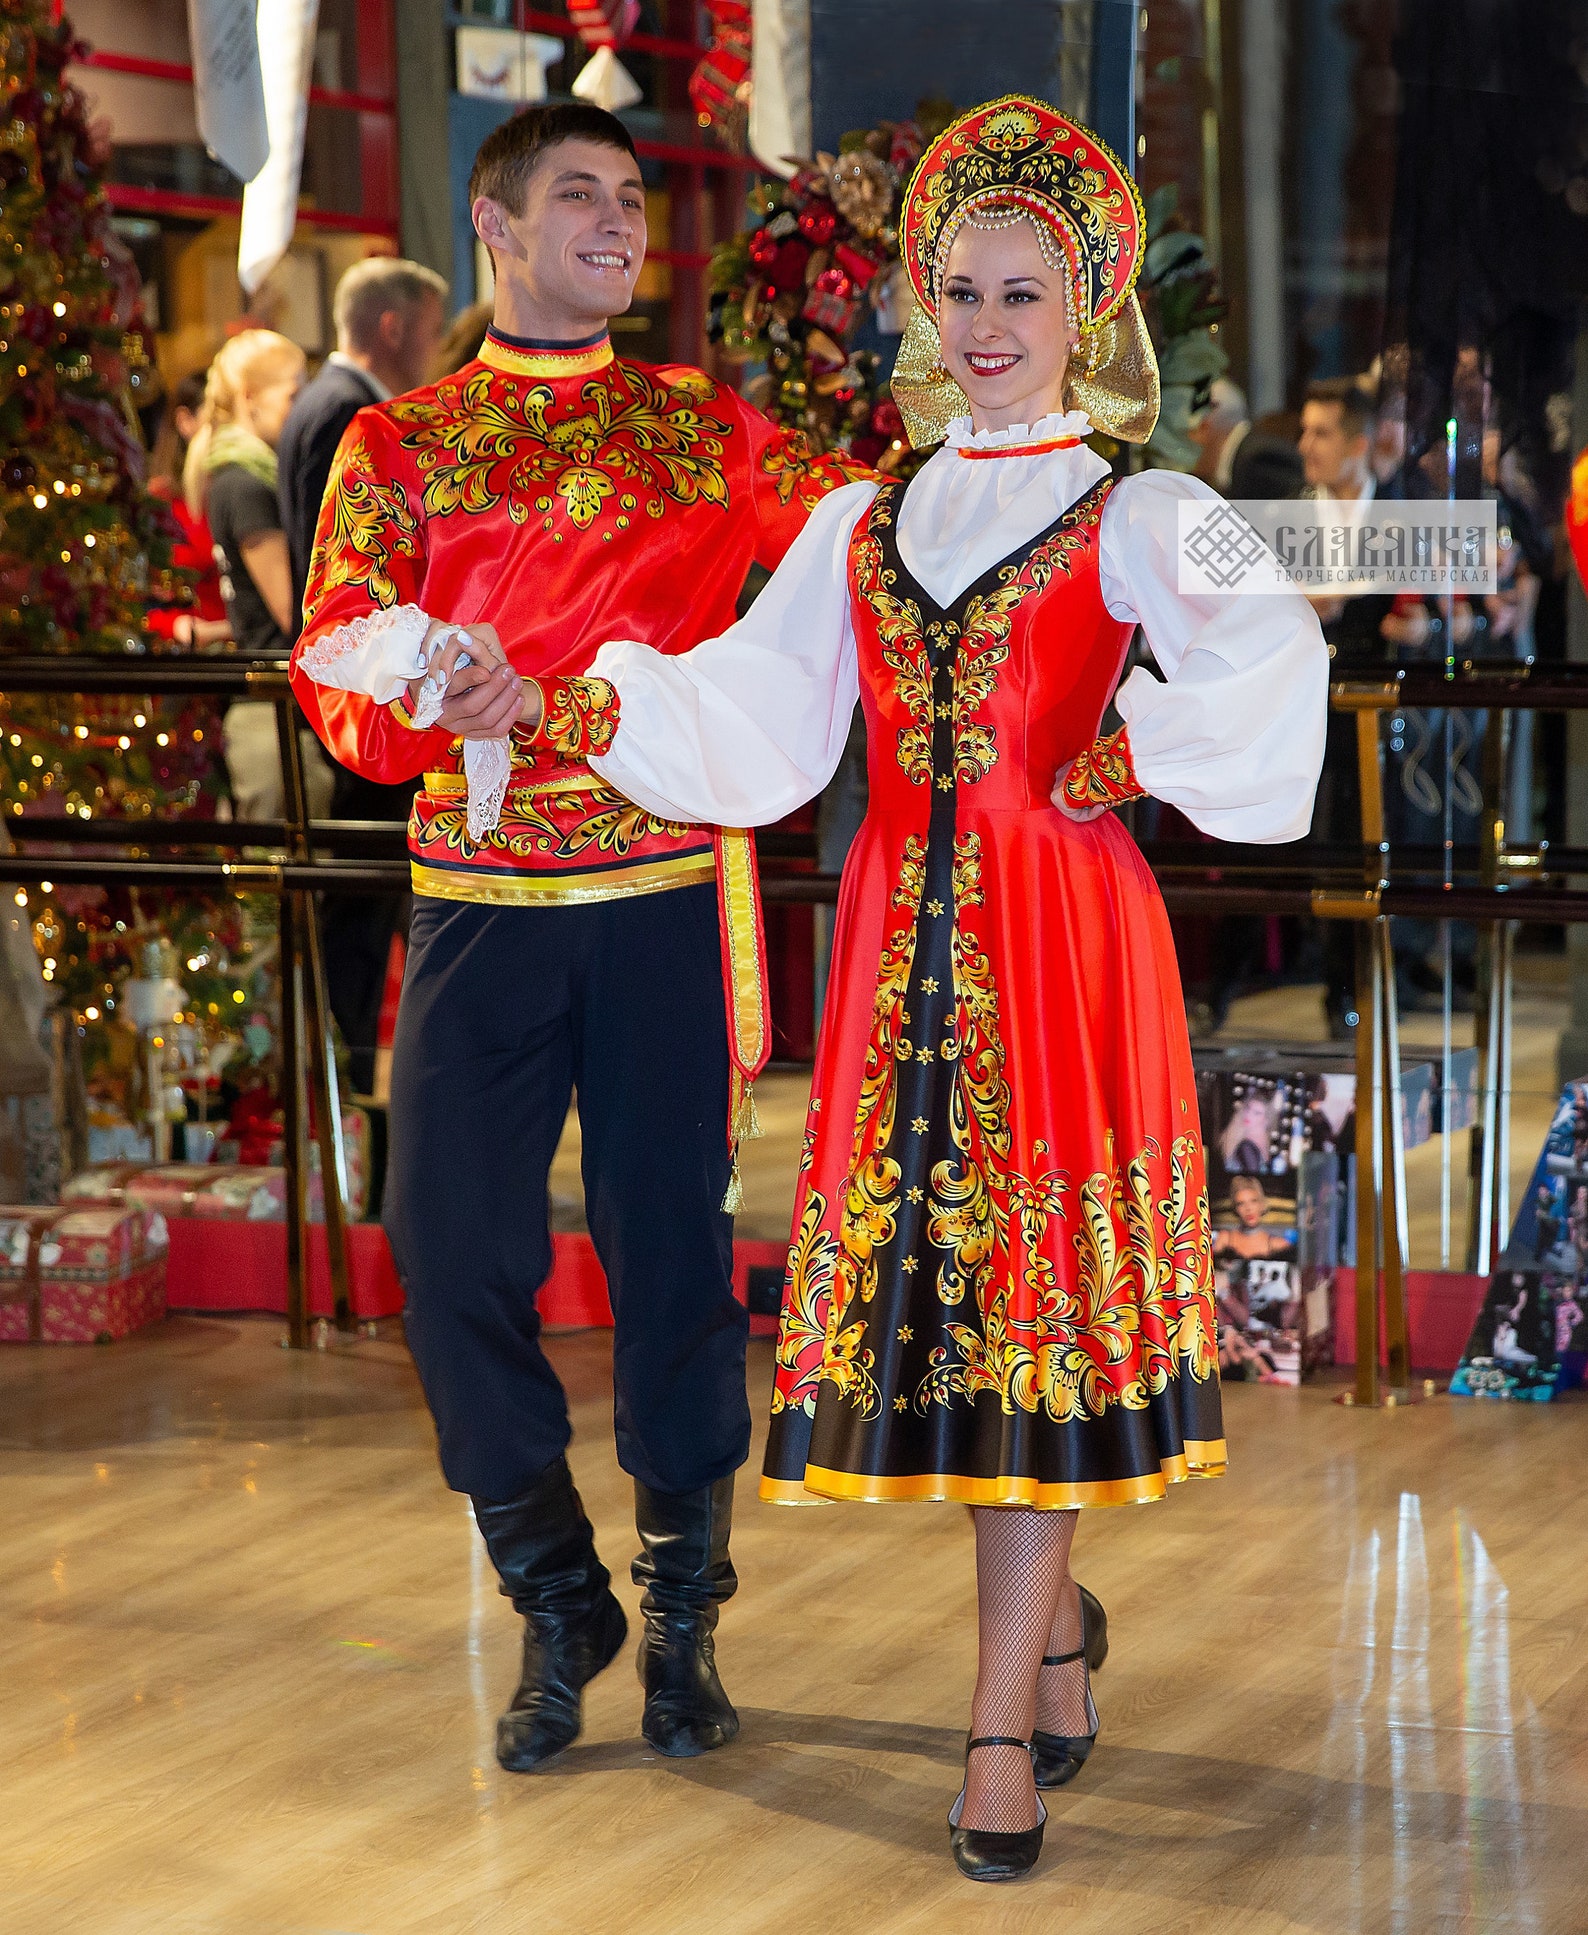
[
  {"x": 398, "y": 708},
  {"x": 1103, "y": 775},
  {"x": 578, "y": 717}
]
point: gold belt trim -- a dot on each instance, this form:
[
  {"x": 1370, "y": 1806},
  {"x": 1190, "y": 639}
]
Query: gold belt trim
[
  {"x": 563, "y": 889},
  {"x": 741, "y": 936},
  {"x": 453, "y": 786}
]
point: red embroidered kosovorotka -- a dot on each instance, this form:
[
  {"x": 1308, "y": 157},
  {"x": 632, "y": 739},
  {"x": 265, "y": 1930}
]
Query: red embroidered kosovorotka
[
  {"x": 1000, "y": 1287},
  {"x": 565, "y": 498}
]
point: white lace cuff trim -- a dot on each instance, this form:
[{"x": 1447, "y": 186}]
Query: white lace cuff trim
[
  {"x": 381, "y": 654},
  {"x": 377, "y": 654}
]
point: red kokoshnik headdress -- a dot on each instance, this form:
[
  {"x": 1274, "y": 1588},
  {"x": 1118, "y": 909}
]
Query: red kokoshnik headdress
[{"x": 1020, "y": 154}]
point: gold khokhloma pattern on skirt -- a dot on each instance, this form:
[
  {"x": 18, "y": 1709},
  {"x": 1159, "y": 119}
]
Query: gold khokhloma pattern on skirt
[
  {"x": 830, "y": 1276},
  {"x": 635, "y": 446},
  {"x": 1140, "y": 1311}
]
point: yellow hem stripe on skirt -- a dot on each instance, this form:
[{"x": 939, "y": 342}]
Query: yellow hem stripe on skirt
[{"x": 1201, "y": 1460}]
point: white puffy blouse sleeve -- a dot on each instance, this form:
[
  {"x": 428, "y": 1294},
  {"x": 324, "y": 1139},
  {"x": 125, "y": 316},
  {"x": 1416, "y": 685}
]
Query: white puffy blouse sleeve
[
  {"x": 1233, "y": 735},
  {"x": 748, "y": 726}
]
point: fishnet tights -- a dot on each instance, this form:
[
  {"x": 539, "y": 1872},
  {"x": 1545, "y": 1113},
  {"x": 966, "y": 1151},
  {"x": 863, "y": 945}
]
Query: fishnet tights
[
  {"x": 1022, "y": 1559},
  {"x": 1061, "y": 1691}
]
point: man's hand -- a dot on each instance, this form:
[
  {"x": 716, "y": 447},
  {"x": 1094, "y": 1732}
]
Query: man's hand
[
  {"x": 484, "y": 698},
  {"x": 1080, "y": 814}
]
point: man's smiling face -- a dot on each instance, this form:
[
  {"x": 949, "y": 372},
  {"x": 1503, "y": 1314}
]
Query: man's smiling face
[{"x": 578, "y": 243}]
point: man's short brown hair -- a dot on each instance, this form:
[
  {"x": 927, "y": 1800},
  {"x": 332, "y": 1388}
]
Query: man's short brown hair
[
  {"x": 509, "y": 154},
  {"x": 1356, "y": 406}
]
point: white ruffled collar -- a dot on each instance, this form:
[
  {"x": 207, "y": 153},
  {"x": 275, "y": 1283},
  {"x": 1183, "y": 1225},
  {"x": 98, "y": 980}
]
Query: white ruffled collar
[{"x": 1068, "y": 423}]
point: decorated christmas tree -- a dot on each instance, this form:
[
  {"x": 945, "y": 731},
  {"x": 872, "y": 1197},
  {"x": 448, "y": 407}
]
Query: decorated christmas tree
[
  {"x": 84, "y": 548},
  {"x": 80, "y": 538}
]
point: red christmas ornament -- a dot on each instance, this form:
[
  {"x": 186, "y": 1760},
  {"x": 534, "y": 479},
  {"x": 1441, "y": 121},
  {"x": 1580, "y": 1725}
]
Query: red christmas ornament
[
  {"x": 904, "y": 151},
  {"x": 787, "y": 270},
  {"x": 818, "y": 224},
  {"x": 604, "y": 23},
  {"x": 762, "y": 249},
  {"x": 860, "y": 268},
  {"x": 714, "y": 87},
  {"x": 885, "y": 418}
]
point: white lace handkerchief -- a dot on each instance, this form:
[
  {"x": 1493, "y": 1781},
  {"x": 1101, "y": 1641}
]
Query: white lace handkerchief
[{"x": 381, "y": 654}]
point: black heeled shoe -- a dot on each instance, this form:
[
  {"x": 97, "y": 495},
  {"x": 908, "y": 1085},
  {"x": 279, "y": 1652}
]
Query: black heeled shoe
[
  {"x": 1056, "y": 1758},
  {"x": 1094, "y": 1628},
  {"x": 982, "y": 1855}
]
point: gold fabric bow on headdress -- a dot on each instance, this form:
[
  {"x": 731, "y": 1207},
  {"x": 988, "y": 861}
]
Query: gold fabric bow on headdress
[{"x": 1020, "y": 154}]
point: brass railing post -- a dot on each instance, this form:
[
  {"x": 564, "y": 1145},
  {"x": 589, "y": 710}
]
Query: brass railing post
[
  {"x": 1369, "y": 1133},
  {"x": 314, "y": 1010},
  {"x": 1380, "y": 1141},
  {"x": 1489, "y": 1188},
  {"x": 297, "y": 1191}
]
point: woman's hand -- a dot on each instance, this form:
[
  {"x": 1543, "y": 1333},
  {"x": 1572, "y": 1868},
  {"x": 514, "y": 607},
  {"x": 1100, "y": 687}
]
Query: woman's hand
[
  {"x": 484, "y": 698},
  {"x": 1080, "y": 814}
]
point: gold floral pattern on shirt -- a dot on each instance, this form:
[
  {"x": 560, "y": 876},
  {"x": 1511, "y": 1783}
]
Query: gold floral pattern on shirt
[
  {"x": 546, "y": 826},
  {"x": 796, "y": 472},
  {"x": 578, "y": 716},
  {"x": 628, "y": 445},
  {"x": 369, "y": 527}
]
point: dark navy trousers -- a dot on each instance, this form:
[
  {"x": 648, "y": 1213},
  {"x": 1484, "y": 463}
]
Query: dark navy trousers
[{"x": 507, "y": 1011}]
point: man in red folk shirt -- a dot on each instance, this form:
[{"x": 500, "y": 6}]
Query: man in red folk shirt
[{"x": 544, "y": 499}]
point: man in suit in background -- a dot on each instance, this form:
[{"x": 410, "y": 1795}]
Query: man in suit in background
[{"x": 389, "y": 317}]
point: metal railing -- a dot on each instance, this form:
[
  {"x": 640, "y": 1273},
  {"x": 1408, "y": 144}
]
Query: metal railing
[
  {"x": 1505, "y": 884},
  {"x": 306, "y": 1043}
]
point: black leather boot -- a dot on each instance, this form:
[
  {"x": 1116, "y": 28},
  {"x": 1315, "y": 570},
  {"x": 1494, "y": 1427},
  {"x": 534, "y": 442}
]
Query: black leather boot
[
  {"x": 687, "y": 1574},
  {"x": 544, "y": 1552}
]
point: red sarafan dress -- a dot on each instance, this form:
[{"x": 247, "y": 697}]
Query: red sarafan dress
[{"x": 1000, "y": 1283}]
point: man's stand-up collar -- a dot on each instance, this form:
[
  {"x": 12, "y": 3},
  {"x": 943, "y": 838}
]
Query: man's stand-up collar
[{"x": 525, "y": 356}]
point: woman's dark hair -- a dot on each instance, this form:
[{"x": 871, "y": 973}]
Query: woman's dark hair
[
  {"x": 509, "y": 154},
  {"x": 170, "y": 446}
]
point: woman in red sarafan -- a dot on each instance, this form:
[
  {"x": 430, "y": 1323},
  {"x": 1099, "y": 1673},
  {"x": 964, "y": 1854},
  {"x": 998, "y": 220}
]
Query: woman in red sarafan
[{"x": 1000, "y": 1286}]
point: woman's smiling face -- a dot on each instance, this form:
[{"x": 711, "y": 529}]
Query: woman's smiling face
[{"x": 1004, "y": 324}]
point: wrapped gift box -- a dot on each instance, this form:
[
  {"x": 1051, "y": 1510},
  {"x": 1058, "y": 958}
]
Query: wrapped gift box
[
  {"x": 78, "y": 1273},
  {"x": 229, "y": 1192}
]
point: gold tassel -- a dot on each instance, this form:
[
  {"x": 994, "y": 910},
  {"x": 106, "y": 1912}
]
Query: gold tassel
[
  {"x": 746, "y": 1122},
  {"x": 733, "y": 1201}
]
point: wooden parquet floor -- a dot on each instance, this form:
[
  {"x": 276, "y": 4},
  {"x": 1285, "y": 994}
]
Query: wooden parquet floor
[{"x": 250, "y": 1659}]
